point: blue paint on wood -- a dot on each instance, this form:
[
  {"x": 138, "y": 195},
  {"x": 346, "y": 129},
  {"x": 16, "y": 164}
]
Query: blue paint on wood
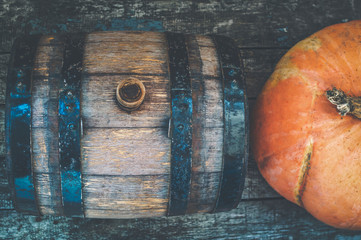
[
  {"x": 36, "y": 27},
  {"x": 18, "y": 124},
  {"x": 70, "y": 125},
  {"x": 100, "y": 26},
  {"x": 62, "y": 27},
  {"x": 235, "y": 136},
  {"x": 24, "y": 188},
  {"x": 71, "y": 186},
  {"x": 181, "y": 124}
]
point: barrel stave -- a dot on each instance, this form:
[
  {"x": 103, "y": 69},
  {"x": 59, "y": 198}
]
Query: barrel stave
[
  {"x": 45, "y": 145},
  {"x": 207, "y": 139}
]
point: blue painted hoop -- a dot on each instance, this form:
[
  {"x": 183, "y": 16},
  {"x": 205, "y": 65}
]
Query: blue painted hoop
[
  {"x": 180, "y": 125},
  {"x": 236, "y": 125},
  {"x": 70, "y": 125},
  {"x": 18, "y": 124}
]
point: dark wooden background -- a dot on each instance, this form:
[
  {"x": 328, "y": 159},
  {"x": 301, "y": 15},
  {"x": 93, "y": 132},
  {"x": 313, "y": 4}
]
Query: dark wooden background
[{"x": 264, "y": 31}]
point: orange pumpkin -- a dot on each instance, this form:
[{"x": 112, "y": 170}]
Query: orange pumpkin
[{"x": 304, "y": 148}]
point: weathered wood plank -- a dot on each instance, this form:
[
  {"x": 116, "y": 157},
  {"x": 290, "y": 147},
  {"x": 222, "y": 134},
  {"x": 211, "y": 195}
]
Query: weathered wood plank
[
  {"x": 204, "y": 191},
  {"x": 3, "y": 167},
  {"x": 138, "y": 151},
  {"x": 5, "y": 194},
  {"x": 126, "y": 37},
  {"x": 133, "y": 54},
  {"x": 5, "y": 200},
  {"x": 100, "y": 109},
  {"x": 4, "y": 62},
  {"x": 255, "y": 186},
  {"x": 45, "y": 92},
  {"x": 49, "y": 194},
  {"x": 208, "y": 54},
  {"x": 125, "y": 54},
  {"x": 207, "y": 130},
  {"x": 258, "y": 67},
  {"x": 125, "y": 151},
  {"x": 252, "y": 23},
  {"x": 45, "y": 132},
  {"x": 43, "y": 150},
  {"x": 125, "y": 196},
  {"x": 268, "y": 219},
  {"x": 2, "y": 130}
]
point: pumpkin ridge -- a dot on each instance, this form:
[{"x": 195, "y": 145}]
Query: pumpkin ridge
[
  {"x": 340, "y": 56},
  {"x": 302, "y": 177}
]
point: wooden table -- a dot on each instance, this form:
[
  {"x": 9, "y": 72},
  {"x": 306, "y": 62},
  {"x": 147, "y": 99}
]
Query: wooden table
[{"x": 264, "y": 31}]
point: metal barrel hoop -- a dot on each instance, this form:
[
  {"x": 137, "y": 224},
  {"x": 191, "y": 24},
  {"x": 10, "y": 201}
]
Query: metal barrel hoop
[
  {"x": 18, "y": 124},
  {"x": 236, "y": 126},
  {"x": 180, "y": 124},
  {"x": 70, "y": 125}
]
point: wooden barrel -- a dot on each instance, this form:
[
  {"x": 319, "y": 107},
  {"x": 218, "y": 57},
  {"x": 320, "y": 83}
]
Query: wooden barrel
[{"x": 73, "y": 149}]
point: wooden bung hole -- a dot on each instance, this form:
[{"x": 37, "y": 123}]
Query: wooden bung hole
[{"x": 130, "y": 94}]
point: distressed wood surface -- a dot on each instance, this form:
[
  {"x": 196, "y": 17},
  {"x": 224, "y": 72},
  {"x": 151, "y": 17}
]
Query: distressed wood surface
[
  {"x": 45, "y": 144},
  {"x": 258, "y": 64},
  {"x": 125, "y": 151},
  {"x": 263, "y": 29},
  {"x": 124, "y": 55},
  {"x": 98, "y": 102},
  {"x": 207, "y": 126},
  {"x": 131, "y": 147},
  {"x": 125, "y": 196},
  {"x": 140, "y": 53},
  {"x": 122, "y": 152},
  {"x": 261, "y": 23},
  {"x": 263, "y": 219}
]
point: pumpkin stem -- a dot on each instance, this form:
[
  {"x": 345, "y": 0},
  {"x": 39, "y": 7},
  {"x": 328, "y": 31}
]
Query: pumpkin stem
[{"x": 345, "y": 104}]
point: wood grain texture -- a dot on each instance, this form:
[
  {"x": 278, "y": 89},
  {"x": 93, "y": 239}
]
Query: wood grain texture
[
  {"x": 125, "y": 156},
  {"x": 125, "y": 151},
  {"x": 207, "y": 94},
  {"x": 124, "y": 38},
  {"x": 125, "y": 196},
  {"x": 208, "y": 54},
  {"x": 255, "y": 185},
  {"x": 2, "y": 130},
  {"x": 263, "y": 219},
  {"x": 261, "y": 23},
  {"x": 100, "y": 108},
  {"x": 48, "y": 193},
  {"x": 207, "y": 125},
  {"x": 258, "y": 63},
  {"x": 141, "y": 53},
  {"x": 45, "y": 143},
  {"x": 264, "y": 29},
  {"x": 4, "y": 62},
  {"x": 118, "y": 143}
]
